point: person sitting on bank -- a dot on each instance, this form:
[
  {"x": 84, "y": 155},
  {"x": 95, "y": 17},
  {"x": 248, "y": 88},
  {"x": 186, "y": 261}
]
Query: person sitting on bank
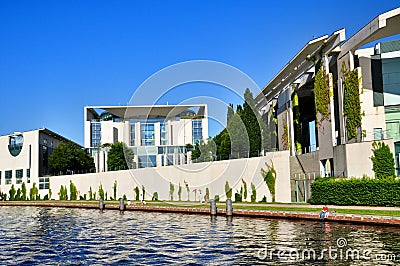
[{"x": 324, "y": 213}]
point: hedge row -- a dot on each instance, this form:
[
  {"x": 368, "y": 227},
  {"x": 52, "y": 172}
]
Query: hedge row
[{"x": 356, "y": 191}]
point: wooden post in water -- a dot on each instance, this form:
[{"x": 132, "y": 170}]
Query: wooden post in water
[
  {"x": 213, "y": 207},
  {"x": 121, "y": 205},
  {"x": 101, "y": 205},
  {"x": 229, "y": 207}
]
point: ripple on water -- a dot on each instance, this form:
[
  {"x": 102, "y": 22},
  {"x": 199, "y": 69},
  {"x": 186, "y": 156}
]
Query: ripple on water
[{"x": 50, "y": 236}]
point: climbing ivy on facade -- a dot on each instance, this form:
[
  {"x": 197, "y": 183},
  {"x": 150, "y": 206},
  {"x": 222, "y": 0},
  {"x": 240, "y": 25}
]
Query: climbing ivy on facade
[
  {"x": 296, "y": 121},
  {"x": 352, "y": 104},
  {"x": 322, "y": 94},
  {"x": 285, "y": 136}
]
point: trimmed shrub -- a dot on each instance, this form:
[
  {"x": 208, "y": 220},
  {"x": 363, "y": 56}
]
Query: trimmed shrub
[
  {"x": 356, "y": 191},
  {"x": 382, "y": 161}
]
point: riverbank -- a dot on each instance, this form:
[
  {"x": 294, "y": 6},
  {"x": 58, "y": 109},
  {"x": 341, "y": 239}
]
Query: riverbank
[{"x": 350, "y": 214}]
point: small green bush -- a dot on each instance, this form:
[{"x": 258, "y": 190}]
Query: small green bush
[
  {"x": 155, "y": 196},
  {"x": 238, "y": 197},
  {"x": 228, "y": 190},
  {"x": 216, "y": 198}
]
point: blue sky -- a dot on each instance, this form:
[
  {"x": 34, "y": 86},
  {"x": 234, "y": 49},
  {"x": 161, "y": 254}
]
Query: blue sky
[{"x": 58, "y": 56}]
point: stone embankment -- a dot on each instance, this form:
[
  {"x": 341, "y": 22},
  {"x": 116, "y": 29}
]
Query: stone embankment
[{"x": 336, "y": 217}]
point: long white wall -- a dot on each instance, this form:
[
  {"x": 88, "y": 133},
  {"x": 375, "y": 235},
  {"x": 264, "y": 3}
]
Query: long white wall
[{"x": 212, "y": 175}]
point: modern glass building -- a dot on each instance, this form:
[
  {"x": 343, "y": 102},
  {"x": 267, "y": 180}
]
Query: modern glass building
[{"x": 158, "y": 135}]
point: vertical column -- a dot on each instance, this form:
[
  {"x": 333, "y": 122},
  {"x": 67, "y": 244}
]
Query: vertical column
[{"x": 138, "y": 135}]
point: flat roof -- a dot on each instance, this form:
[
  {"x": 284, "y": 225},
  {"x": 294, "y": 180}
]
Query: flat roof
[
  {"x": 384, "y": 25},
  {"x": 149, "y": 110},
  {"x": 299, "y": 64}
]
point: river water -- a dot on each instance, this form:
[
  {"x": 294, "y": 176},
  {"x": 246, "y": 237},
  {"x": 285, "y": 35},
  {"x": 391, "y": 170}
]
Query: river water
[{"x": 61, "y": 236}]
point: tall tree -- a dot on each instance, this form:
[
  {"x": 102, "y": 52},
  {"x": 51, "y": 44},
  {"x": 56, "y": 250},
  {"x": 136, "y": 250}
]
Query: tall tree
[
  {"x": 252, "y": 122},
  {"x": 239, "y": 139},
  {"x": 70, "y": 157},
  {"x": 120, "y": 157},
  {"x": 223, "y": 143}
]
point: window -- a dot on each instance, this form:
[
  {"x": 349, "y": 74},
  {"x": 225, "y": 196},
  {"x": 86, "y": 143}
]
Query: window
[
  {"x": 163, "y": 134},
  {"x": 197, "y": 131},
  {"x": 96, "y": 134},
  {"x": 18, "y": 175},
  {"x": 170, "y": 159},
  {"x": 43, "y": 183},
  {"x": 28, "y": 176},
  {"x": 8, "y": 176},
  {"x": 378, "y": 135},
  {"x": 147, "y": 161},
  {"x": 148, "y": 137},
  {"x": 15, "y": 145}
]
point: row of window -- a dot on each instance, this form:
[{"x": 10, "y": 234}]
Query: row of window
[
  {"x": 19, "y": 174},
  {"x": 147, "y": 131},
  {"x": 151, "y": 160}
]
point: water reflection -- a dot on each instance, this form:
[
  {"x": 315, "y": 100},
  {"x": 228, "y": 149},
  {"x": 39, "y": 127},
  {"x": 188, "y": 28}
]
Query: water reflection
[{"x": 49, "y": 236}]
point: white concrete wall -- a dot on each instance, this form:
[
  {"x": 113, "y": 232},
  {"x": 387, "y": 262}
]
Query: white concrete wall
[
  {"x": 212, "y": 175},
  {"x": 358, "y": 160}
]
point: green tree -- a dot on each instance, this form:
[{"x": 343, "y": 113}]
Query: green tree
[
  {"x": 91, "y": 193},
  {"x": 115, "y": 189},
  {"x": 253, "y": 193},
  {"x": 63, "y": 193},
  {"x": 239, "y": 140},
  {"x": 137, "y": 193},
  {"x": 223, "y": 143},
  {"x": 70, "y": 157},
  {"x": 18, "y": 195},
  {"x": 12, "y": 192},
  {"x": 171, "y": 191},
  {"x": 120, "y": 157},
  {"x": 228, "y": 190},
  {"x": 382, "y": 161},
  {"x": 23, "y": 191},
  {"x": 180, "y": 192},
  {"x": 244, "y": 190},
  {"x": 33, "y": 192},
  {"x": 101, "y": 191},
  {"x": 250, "y": 118},
  {"x": 73, "y": 192}
]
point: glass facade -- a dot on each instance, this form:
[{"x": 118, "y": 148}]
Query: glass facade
[
  {"x": 147, "y": 132},
  {"x": 18, "y": 175},
  {"x": 197, "y": 131},
  {"x": 96, "y": 133}
]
